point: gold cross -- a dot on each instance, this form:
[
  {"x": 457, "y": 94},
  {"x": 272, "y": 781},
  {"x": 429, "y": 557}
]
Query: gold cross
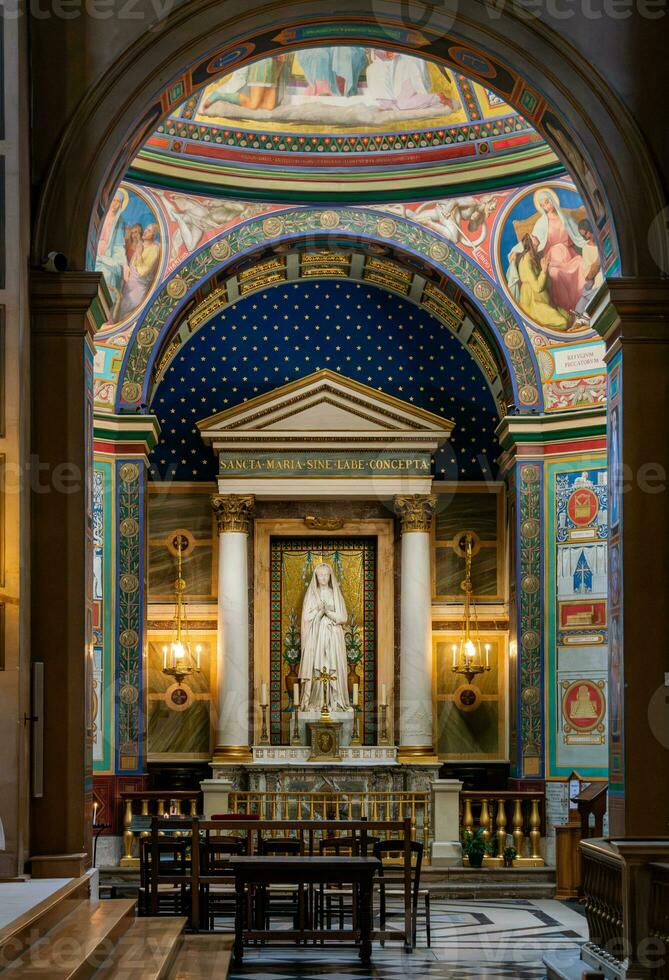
[{"x": 325, "y": 678}]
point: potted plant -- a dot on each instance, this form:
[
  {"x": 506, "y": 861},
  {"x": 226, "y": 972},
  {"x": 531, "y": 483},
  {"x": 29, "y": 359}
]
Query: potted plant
[
  {"x": 509, "y": 855},
  {"x": 475, "y": 847},
  {"x": 291, "y": 652},
  {"x": 353, "y": 641}
]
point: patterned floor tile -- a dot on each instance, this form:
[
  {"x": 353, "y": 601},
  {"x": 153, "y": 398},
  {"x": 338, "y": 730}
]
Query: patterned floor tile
[{"x": 470, "y": 940}]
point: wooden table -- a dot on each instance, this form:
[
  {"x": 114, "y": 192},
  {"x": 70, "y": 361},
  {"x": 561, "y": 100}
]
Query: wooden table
[{"x": 284, "y": 870}]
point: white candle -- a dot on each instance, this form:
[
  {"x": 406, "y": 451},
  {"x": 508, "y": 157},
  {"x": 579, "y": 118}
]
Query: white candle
[
  {"x": 164, "y": 658},
  {"x": 263, "y": 693},
  {"x": 95, "y": 814},
  {"x": 487, "y": 654},
  {"x": 384, "y": 698},
  {"x": 355, "y": 695},
  {"x": 455, "y": 655},
  {"x": 296, "y": 694},
  {"x": 198, "y": 652}
]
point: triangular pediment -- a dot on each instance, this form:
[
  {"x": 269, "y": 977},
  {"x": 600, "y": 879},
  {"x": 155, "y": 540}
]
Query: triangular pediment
[{"x": 329, "y": 404}]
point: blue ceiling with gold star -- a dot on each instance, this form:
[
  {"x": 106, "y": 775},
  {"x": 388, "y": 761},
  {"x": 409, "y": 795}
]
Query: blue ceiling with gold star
[{"x": 290, "y": 331}]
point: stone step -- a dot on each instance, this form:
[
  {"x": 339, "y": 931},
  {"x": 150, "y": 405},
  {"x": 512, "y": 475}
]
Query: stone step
[
  {"x": 147, "y": 951},
  {"x": 202, "y": 957},
  {"x": 37, "y": 921},
  {"x": 568, "y": 965},
  {"x": 490, "y": 882},
  {"x": 75, "y": 947}
]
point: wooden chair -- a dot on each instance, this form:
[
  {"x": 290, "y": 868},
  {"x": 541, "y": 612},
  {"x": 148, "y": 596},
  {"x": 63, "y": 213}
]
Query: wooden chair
[
  {"x": 218, "y": 898},
  {"x": 173, "y": 899},
  {"x": 391, "y": 886},
  {"x": 328, "y": 895},
  {"x": 281, "y": 900}
]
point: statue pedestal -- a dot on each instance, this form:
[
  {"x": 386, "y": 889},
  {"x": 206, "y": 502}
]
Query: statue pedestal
[{"x": 325, "y": 739}]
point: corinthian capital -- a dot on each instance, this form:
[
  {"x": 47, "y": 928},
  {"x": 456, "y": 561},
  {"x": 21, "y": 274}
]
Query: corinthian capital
[
  {"x": 415, "y": 511},
  {"x": 233, "y": 511}
]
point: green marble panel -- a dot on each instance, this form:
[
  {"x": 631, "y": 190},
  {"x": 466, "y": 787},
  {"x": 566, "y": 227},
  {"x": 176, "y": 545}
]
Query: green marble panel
[
  {"x": 471, "y": 733},
  {"x": 450, "y": 570},
  {"x": 467, "y": 511},
  {"x": 187, "y": 508},
  {"x": 179, "y": 732},
  {"x": 197, "y": 571}
]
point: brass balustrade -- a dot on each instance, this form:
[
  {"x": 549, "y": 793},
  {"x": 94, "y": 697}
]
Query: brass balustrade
[
  {"x": 493, "y": 811},
  {"x": 149, "y": 803},
  {"x": 332, "y": 806}
]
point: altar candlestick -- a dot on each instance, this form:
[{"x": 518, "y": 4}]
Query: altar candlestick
[
  {"x": 355, "y": 695},
  {"x": 263, "y": 693},
  {"x": 296, "y": 695},
  {"x": 384, "y": 697}
]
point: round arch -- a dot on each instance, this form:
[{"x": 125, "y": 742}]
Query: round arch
[
  {"x": 190, "y": 291},
  {"x": 584, "y": 121}
]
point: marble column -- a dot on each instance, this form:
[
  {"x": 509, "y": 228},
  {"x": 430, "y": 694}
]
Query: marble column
[
  {"x": 416, "y": 731},
  {"x": 233, "y": 513}
]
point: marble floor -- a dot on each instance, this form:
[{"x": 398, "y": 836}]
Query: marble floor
[{"x": 483, "y": 939}]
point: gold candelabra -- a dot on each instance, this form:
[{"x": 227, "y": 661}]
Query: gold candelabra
[
  {"x": 294, "y": 725},
  {"x": 355, "y": 734},
  {"x": 264, "y": 736},
  {"x": 325, "y": 678},
  {"x": 468, "y": 660},
  {"x": 178, "y": 662}
]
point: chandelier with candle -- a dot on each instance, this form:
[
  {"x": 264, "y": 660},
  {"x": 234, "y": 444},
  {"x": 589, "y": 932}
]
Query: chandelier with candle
[
  {"x": 178, "y": 659},
  {"x": 467, "y": 657}
]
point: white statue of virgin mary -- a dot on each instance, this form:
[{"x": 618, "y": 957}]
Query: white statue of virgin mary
[{"x": 323, "y": 643}]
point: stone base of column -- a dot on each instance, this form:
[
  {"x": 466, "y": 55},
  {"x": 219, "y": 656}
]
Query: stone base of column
[
  {"x": 417, "y": 753},
  {"x": 446, "y": 854},
  {"x": 233, "y": 754},
  {"x": 215, "y": 796}
]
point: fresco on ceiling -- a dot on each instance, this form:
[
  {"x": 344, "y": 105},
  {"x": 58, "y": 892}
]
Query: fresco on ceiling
[
  {"x": 130, "y": 252},
  {"x": 480, "y": 225},
  {"x": 548, "y": 259},
  {"x": 342, "y": 87}
]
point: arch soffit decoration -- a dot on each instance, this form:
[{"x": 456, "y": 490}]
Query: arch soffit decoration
[
  {"x": 174, "y": 297},
  {"x": 611, "y": 155}
]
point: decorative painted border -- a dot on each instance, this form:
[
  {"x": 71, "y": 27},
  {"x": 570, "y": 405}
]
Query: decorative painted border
[
  {"x": 177, "y": 291},
  {"x": 615, "y": 568},
  {"x": 130, "y": 587},
  {"x": 277, "y": 548},
  {"x": 105, "y": 630},
  {"x": 530, "y": 666},
  {"x": 569, "y": 464}
]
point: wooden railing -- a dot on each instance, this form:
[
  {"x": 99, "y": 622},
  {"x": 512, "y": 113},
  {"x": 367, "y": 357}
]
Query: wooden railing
[
  {"x": 333, "y": 806},
  {"x": 602, "y": 894},
  {"x": 658, "y": 911},
  {"x": 503, "y": 814},
  {"x": 140, "y": 806},
  {"x": 626, "y": 900}
]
